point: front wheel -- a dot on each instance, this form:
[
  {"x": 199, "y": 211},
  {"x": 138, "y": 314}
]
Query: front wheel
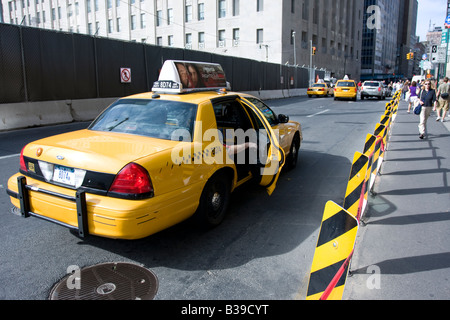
[{"x": 214, "y": 201}]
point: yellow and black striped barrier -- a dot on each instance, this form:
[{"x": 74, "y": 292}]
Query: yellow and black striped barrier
[
  {"x": 338, "y": 230},
  {"x": 355, "y": 195},
  {"x": 331, "y": 259}
]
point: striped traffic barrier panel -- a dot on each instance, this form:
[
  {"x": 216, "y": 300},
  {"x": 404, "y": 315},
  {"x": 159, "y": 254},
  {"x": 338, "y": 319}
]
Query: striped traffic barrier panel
[
  {"x": 355, "y": 195},
  {"x": 334, "y": 249},
  {"x": 339, "y": 227},
  {"x": 372, "y": 149}
]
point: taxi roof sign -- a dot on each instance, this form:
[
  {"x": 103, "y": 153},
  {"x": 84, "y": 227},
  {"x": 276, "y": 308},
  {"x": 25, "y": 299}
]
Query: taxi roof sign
[{"x": 179, "y": 76}]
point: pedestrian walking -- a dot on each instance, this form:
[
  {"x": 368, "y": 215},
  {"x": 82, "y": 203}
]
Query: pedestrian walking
[
  {"x": 405, "y": 89},
  {"x": 427, "y": 98},
  {"x": 443, "y": 100},
  {"x": 413, "y": 91}
]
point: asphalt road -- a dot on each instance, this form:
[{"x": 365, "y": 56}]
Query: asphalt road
[{"x": 262, "y": 251}]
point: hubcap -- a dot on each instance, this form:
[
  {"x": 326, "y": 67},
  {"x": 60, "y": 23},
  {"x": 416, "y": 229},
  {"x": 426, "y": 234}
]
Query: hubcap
[{"x": 216, "y": 201}]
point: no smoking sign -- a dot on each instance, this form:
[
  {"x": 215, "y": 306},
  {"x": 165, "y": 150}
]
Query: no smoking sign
[{"x": 125, "y": 75}]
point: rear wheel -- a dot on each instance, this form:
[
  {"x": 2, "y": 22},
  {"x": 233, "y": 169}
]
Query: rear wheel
[
  {"x": 214, "y": 201},
  {"x": 292, "y": 159}
]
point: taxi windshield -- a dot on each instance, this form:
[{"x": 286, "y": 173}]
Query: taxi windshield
[
  {"x": 151, "y": 118},
  {"x": 345, "y": 84}
]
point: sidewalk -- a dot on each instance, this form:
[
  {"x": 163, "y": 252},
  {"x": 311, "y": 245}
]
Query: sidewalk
[{"x": 403, "y": 250}]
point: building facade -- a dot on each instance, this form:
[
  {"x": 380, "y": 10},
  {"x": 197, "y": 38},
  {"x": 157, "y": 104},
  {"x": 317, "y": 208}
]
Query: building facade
[
  {"x": 389, "y": 33},
  {"x": 281, "y": 32}
]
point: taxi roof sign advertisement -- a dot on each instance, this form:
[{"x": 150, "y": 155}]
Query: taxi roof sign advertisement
[{"x": 185, "y": 76}]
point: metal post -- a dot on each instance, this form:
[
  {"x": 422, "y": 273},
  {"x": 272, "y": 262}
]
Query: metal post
[
  {"x": 446, "y": 55},
  {"x": 80, "y": 199},
  {"x": 295, "y": 52},
  {"x": 23, "y": 196},
  {"x": 310, "y": 64}
]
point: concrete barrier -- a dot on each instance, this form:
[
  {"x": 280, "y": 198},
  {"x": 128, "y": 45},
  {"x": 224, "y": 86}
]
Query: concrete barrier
[{"x": 34, "y": 114}]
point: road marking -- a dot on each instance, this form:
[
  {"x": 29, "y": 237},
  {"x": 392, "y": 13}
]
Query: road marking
[
  {"x": 318, "y": 113},
  {"x": 10, "y": 156}
]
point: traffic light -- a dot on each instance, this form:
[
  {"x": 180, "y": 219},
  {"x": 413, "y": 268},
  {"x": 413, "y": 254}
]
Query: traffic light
[
  {"x": 408, "y": 56},
  {"x": 411, "y": 55},
  {"x": 313, "y": 51}
]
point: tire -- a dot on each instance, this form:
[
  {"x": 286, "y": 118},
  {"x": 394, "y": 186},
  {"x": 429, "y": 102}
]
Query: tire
[
  {"x": 292, "y": 159},
  {"x": 214, "y": 201}
]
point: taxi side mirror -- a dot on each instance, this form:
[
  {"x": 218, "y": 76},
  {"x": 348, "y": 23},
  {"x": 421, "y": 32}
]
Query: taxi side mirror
[{"x": 283, "y": 118}]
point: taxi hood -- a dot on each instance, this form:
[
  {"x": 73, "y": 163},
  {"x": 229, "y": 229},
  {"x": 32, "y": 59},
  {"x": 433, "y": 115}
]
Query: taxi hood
[{"x": 106, "y": 152}]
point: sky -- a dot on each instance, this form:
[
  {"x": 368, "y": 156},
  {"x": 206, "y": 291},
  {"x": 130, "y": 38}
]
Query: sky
[{"x": 434, "y": 10}]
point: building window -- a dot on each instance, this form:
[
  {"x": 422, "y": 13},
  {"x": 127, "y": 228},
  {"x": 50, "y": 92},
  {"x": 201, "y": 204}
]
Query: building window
[
  {"x": 235, "y": 7},
  {"x": 158, "y": 18},
  {"x": 259, "y": 5},
  {"x": 118, "y": 24},
  {"x": 142, "y": 20},
  {"x": 236, "y": 35},
  {"x": 169, "y": 16},
  {"x": 201, "y": 40},
  {"x": 170, "y": 41},
  {"x": 188, "y": 38},
  {"x": 259, "y": 36},
  {"x": 188, "y": 14},
  {"x": 201, "y": 11},
  {"x": 133, "y": 22},
  {"x": 110, "y": 26},
  {"x": 305, "y": 10},
  {"x": 159, "y": 41},
  {"x": 222, "y": 9}
]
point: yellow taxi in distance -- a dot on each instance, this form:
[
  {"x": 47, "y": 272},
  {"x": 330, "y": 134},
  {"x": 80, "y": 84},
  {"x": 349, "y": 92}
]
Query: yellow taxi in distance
[
  {"x": 319, "y": 89},
  {"x": 345, "y": 89},
  {"x": 152, "y": 160}
]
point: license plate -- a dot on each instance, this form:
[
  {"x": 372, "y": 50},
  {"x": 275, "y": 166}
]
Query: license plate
[
  {"x": 345, "y": 90},
  {"x": 64, "y": 175}
]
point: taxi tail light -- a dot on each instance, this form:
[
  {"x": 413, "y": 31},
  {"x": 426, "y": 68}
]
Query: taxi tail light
[
  {"x": 132, "y": 179},
  {"x": 23, "y": 166},
  {"x": 379, "y": 89}
]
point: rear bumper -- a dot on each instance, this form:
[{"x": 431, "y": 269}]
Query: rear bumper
[
  {"x": 371, "y": 94},
  {"x": 91, "y": 214},
  {"x": 345, "y": 94},
  {"x": 24, "y": 205},
  {"x": 316, "y": 93}
]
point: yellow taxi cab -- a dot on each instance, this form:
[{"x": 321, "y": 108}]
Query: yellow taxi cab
[
  {"x": 319, "y": 89},
  {"x": 152, "y": 160},
  {"x": 345, "y": 89}
]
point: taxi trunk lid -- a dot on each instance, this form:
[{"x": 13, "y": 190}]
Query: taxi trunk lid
[{"x": 95, "y": 151}]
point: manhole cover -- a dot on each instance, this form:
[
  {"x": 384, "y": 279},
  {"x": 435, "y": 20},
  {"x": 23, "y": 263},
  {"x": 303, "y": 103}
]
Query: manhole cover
[{"x": 107, "y": 281}]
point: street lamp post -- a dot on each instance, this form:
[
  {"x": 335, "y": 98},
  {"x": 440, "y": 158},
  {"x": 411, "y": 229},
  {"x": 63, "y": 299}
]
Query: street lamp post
[{"x": 295, "y": 51}]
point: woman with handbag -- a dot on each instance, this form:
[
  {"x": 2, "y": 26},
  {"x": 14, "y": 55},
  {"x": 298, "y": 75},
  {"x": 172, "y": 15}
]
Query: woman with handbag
[{"x": 427, "y": 99}]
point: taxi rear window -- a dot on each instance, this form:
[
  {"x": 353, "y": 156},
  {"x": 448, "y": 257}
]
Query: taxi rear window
[
  {"x": 345, "y": 84},
  {"x": 151, "y": 118}
]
